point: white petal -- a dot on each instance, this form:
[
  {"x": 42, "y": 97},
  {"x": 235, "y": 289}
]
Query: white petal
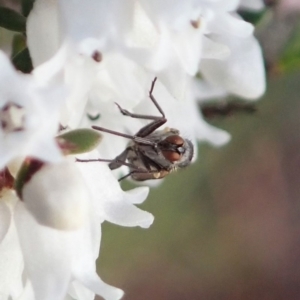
[
  {"x": 175, "y": 80},
  {"x": 253, "y": 4},
  {"x": 46, "y": 150},
  {"x": 188, "y": 47},
  {"x": 137, "y": 195},
  {"x": 28, "y": 293},
  {"x": 204, "y": 91},
  {"x": 93, "y": 282},
  {"x": 126, "y": 90},
  {"x": 52, "y": 69},
  {"x": 5, "y": 219},
  {"x": 174, "y": 13},
  {"x": 11, "y": 263},
  {"x": 47, "y": 256},
  {"x": 95, "y": 19},
  {"x": 225, "y": 6},
  {"x": 57, "y": 197},
  {"x": 113, "y": 205},
  {"x": 79, "y": 76},
  {"x": 78, "y": 291},
  {"x": 214, "y": 50},
  {"x": 225, "y": 24},
  {"x": 242, "y": 73},
  {"x": 43, "y": 22},
  {"x": 82, "y": 243}
]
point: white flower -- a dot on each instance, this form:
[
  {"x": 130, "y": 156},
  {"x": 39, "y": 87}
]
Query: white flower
[
  {"x": 71, "y": 199},
  {"x": 29, "y": 115}
]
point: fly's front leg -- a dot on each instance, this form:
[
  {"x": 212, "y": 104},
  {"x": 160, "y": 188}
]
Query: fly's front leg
[
  {"x": 127, "y": 113},
  {"x": 154, "y": 100},
  {"x": 148, "y": 129},
  {"x": 157, "y": 121}
]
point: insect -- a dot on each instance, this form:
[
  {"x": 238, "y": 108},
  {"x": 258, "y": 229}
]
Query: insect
[{"x": 151, "y": 153}]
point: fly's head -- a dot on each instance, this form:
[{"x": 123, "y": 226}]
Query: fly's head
[{"x": 176, "y": 149}]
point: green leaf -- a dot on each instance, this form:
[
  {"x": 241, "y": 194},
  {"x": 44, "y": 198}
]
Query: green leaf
[
  {"x": 290, "y": 58},
  {"x": 22, "y": 61},
  {"x": 27, "y": 7},
  {"x": 252, "y": 16},
  {"x": 18, "y": 44},
  {"x": 12, "y": 20},
  {"x": 79, "y": 141}
]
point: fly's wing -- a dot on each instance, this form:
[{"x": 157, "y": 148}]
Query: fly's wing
[
  {"x": 147, "y": 158},
  {"x": 147, "y": 164}
]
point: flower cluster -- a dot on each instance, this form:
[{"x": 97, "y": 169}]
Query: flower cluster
[{"x": 87, "y": 56}]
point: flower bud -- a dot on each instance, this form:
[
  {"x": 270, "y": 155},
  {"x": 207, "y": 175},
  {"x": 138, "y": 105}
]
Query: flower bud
[{"x": 57, "y": 196}]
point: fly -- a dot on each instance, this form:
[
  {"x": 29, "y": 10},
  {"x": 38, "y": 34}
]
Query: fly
[{"x": 151, "y": 153}]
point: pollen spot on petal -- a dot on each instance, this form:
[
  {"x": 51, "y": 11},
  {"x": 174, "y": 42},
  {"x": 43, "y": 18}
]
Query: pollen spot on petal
[
  {"x": 12, "y": 117},
  {"x": 195, "y": 23},
  {"x": 97, "y": 56}
]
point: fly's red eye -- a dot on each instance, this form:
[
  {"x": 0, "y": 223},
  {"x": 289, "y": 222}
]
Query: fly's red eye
[
  {"x": 175, "y": 140},
  {"x": 171, "y": 155}
]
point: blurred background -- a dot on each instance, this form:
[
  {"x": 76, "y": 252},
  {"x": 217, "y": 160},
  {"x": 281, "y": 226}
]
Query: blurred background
[{"x": 228, "y": 227}]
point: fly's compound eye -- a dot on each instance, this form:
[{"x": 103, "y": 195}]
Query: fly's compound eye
[
  {"x": 171, "y": 156},
  {"x": 175, "y": 140},
  {"x": 174, "y": 148}
]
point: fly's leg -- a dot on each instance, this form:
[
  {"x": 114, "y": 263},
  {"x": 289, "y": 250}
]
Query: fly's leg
[
  {"x": 153, "y": 99},
  {"x": 134, "y": 169},
  {"x": 135, "y": 138},
  {"x": 115, "y": 163},
  {"x": 127, "y": 113},
  {"x": 122, "y": 163},
  {"x": 157, "y": 121}
]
